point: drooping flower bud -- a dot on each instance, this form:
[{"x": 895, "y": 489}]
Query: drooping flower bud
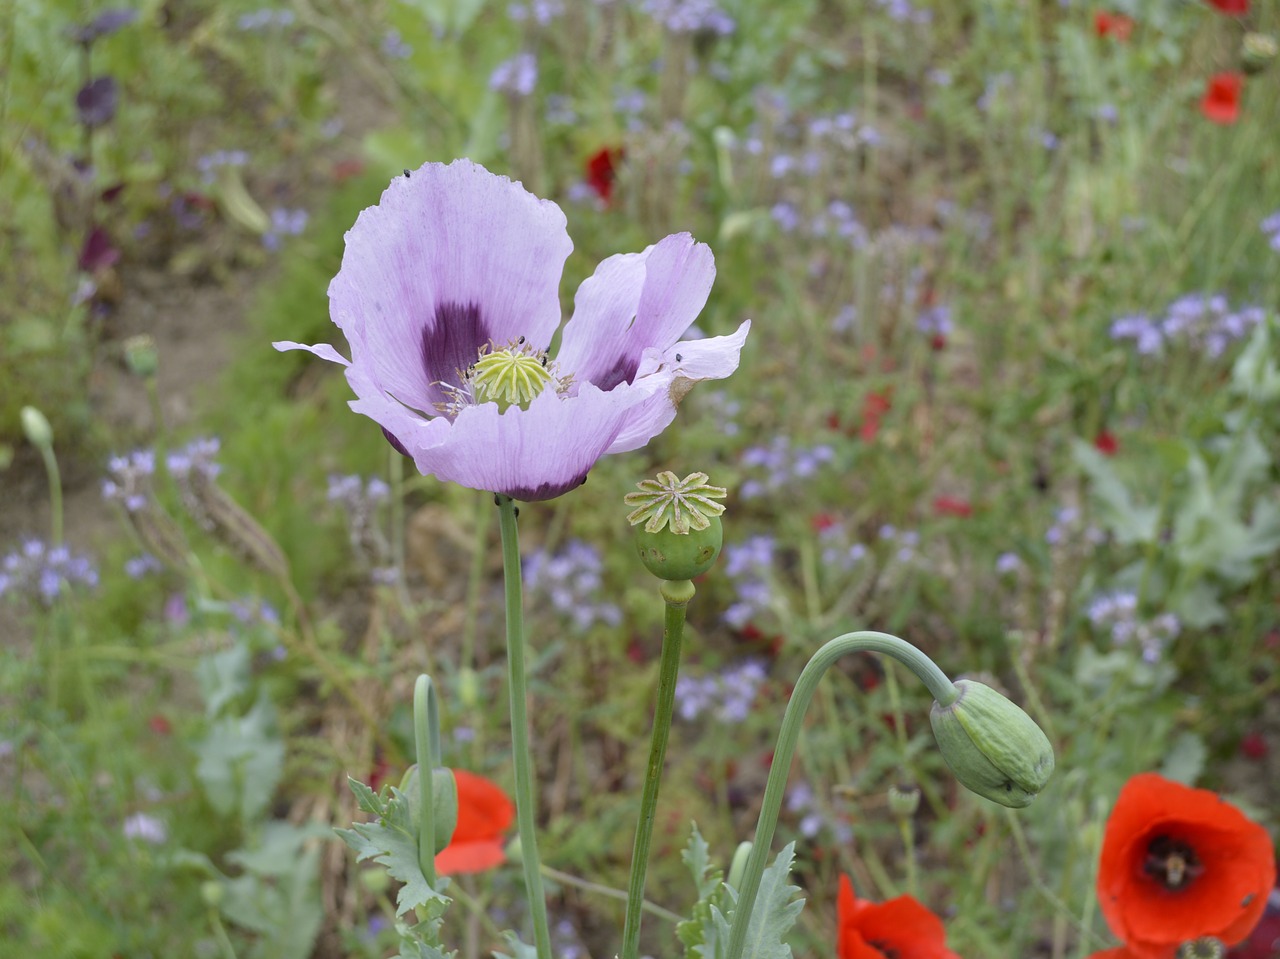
[
  {"x": 36, "y": 427},
  {"x": 682, "y": 535},
  {"x": 994, "y": 748},
  {"x": 444, "y": 799}
]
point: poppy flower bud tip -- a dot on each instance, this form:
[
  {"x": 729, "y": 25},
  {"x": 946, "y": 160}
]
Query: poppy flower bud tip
[{"x": 994, "y": 748}]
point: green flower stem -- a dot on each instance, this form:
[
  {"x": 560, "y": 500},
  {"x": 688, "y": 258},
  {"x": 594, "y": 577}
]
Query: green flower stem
[
  {"x": 676, "y": 594},
  {"x": 55, "y": 491},
  {"x": 426, "y": 740},
  {"x": 863, "y": 641},
  {"x": 518, "y": 689}
]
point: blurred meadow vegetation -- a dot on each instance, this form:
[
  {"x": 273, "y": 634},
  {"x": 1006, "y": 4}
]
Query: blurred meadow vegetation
[{"x": 1011, "y": 391}]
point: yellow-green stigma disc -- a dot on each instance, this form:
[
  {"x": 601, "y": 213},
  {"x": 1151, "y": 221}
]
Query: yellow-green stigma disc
[{"x": 510, "y": 377}]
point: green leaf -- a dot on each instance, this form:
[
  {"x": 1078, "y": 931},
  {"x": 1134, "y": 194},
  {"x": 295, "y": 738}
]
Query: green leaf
[
  {"x": 776, "y": 910},
  {"x": 240, "y": 762},
  {"x": 1129, "y": 522},
  {"x": 392, "y": 841},
  {"x": 697, "y": 857},
  {"x": 518, "y": 949},
  {"x": 1184, "y": 759}
]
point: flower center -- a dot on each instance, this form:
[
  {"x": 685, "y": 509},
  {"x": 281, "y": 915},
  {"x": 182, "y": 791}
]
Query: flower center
[
  {"x": 1172, "y": 863},
  {"x": 513, "y": 376}
]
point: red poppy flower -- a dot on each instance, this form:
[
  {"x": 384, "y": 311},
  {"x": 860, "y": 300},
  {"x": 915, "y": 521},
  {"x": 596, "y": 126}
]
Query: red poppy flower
[
  {"x": 484, "y": 813},
  {"x": 602, "y": 170},
  {"x": 1179, "y": 864},
  {"x": 1115, "y": 25},
  {"x": 874, "y": 406},
  {"x": 1106, "y": 443},
  {"x": 1221, "y": 102},
  {"x": 1235, "y": 8},
  {"x": 900, "y": 928},
  {"x": 951, "y": 506}
]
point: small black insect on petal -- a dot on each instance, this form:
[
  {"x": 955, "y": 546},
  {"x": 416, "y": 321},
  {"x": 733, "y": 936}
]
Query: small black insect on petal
[{"x": 406, "y": 173}]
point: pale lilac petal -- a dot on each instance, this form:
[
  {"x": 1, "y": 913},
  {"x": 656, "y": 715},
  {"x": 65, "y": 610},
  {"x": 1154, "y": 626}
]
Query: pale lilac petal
[
  {"x": 633, "y": 302},
  {"x": 668, "y": 380},
  {"x": 532, "y": 454},
  {"x": 403, "y": 428},
  {"x": 451, "y": 258},
  {"x": 322, "y": 350}
]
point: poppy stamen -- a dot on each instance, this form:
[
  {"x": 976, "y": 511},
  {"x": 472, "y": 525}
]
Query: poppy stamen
[{"x": 1172, "y": 863}]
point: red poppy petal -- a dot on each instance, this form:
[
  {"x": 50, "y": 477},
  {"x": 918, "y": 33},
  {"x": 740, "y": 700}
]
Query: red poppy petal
[
  {"x": 469, "y": 857},
  {"x": 484, "y": 811}
]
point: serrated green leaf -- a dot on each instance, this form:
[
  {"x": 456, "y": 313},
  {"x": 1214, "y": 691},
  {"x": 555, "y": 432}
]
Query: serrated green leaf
[
  {"x": 696, "y": 856},
  {"x": 776, "y": 910},
  {"x": 368, "y": 800},
  {"x": 392, "y": 842}
]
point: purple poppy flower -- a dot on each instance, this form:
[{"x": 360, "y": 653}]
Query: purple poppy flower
[
  {"x": 96, "y": 101},
  {"x": 449, "y": 296}
]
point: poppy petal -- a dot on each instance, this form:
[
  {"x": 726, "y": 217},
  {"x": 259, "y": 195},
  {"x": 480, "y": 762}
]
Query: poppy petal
[{"x": 451, "y": 258}]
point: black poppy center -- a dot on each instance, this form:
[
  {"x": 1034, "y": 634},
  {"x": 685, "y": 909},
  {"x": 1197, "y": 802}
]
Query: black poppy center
[
  {"x": 1172, "y": 863},
  {"x": 886, "y": 950}
]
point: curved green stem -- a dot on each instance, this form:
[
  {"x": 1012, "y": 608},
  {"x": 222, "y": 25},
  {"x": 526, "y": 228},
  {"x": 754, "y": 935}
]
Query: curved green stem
[
  {"x": 55, "y": 491},
  {"x": 522, "y": 758},
  {"x": 863, "y": 641},
  {"x": 677, "y": 595},
  {"x": 426, "y": 738}
]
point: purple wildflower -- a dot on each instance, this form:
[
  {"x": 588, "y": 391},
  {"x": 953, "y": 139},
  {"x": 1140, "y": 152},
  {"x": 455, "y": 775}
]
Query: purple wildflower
[
  {"x": 1117, "y": 614},
  {"x": 516, "y": 76},
  {"x": 728, "y": 696},
  {"x": 139, "y": 566},
  {"x": 96, "y": 101},
  {"x": 1271, "y": 227},
  {"x": 144, "y": 827},
  {"x": 103, "y": 25},
  {"x": 571, "y": 581},
  {"x": 449, "y": 296},
  {"x": 264, "y": 19},
  {"x": 691, "y": 16},
  {"x": 284, "y": 223},
  {"x": 44, "y": 572},
  {"x": 129, "y": 479},
  {"x": 394, "y": 47}
]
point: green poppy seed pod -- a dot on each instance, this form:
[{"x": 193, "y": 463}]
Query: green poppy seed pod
[
  {"x": 903, "y": 801},
  {"x": 678, "y": 531},
  {"x": 141, "y": 356},
  {"x": 993, "y": 747},
  {"x": 444, "y": 798},
  {"x": 675, "y": 556},
  {"x": 36, "y": 427}
]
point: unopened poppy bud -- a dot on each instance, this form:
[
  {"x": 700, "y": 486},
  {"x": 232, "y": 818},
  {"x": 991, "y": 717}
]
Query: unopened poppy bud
[
  {"x": 444, "y": 801},
  {"x": 212, "y": 893},
  {"x": 903, "y": 801},
  {"x": 682, "y": 535},
  {"x": 739, "y": 865},
  {"x": 993, "y": 747},
  {"x": 468, "y": 687},
  {"x": 36, "y": 427},
  {"x": 1257, "y": 50}
]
